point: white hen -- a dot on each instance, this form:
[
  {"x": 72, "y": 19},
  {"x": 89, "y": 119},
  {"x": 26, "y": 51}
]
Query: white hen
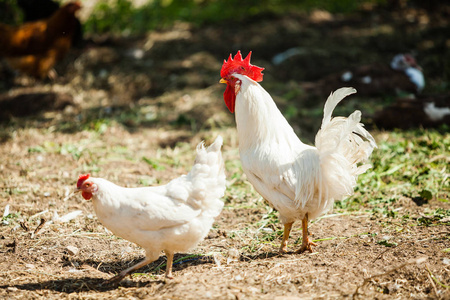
[
  {"x": 173, "y": 217},
  {"x": 300, "y": 181}
]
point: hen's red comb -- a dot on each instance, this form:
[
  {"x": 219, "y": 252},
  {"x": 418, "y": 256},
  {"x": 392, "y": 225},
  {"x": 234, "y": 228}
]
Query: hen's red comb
[
  {"x": 241, "y": 66},
  {"x": 81, "y": 179}
]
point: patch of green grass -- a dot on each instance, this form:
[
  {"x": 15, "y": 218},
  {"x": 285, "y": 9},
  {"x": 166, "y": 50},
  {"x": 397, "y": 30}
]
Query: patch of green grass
[
  {"x": 153, "y": 163},
  {"x": 11, "y": 216},
  {"x": 36, "y": 149},
  {"x": 387, "y": 243},
  {"x": 434, "y": 216},
  {"x": 426, "y": 194},
  {"x": 410, "y": 163},
  {"x": 98, "y": 125},
  {"x": 269, "y": 226},
  {"x": 148, "y": 181},
  {"x": 71, "y": 149},
  {"x": 13, "y": 191}
]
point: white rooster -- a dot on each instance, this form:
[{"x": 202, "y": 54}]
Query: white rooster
[
  {"x": 300, "y": 181},
  {"x": 173, "y": 217}
]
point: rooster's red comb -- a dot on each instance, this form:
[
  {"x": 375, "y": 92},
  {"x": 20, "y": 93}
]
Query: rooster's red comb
[
  {"x": 81, "y": 179},
  {"x": 241, "y": 66}
]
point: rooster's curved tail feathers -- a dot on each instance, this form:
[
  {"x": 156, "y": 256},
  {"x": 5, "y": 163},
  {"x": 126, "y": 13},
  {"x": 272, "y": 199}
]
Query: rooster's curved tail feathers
[{"x": 344, "y": 146}]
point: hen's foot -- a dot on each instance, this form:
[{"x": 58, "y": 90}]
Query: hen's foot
[
  {"x": 306, "y": 245},
  {"x": 121, "y": 275},
  {"x": 116, "y": 279},
  {"x": 282, "y": 250},
  {"x": 287, "y": 231}
]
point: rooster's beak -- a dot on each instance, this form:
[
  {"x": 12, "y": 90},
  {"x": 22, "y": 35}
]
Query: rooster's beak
[
  {"x": 223, "y": 81},
  {"x": 76, "y": 190}
]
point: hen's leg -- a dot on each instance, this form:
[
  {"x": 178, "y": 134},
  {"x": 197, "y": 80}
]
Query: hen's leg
[
  {"x": 306, "y": 243},
  {"x": 287, "y": 231},
  {"x": 125, "y": 272},
  {"x": 169, "y": 264}
]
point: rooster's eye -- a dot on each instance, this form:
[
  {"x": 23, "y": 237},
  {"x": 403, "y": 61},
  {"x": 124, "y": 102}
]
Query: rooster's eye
[
  {"x": 88, "y": 184},
  {"x": 242, "y": 68}
]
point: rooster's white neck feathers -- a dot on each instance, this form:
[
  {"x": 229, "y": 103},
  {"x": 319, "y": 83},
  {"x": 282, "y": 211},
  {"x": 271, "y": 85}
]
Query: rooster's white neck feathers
[{"x": 266, "y": 126}]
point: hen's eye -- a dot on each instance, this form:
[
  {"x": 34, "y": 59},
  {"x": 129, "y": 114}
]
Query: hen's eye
[{"x": 88, "y": 184}]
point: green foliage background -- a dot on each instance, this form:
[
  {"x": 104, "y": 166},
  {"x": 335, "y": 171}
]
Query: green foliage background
[{"x": 119, "y": 16}]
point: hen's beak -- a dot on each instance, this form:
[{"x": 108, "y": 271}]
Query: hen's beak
[
  {"x": 76, "y": 190},
  {"x": 223, "y": 81}
]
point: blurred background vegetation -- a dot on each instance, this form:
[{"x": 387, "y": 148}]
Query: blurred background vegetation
[
  {"x": 121, "y": 16},
  {"x": 139, "y": 16},
  {"x": 127, "y": 56}
]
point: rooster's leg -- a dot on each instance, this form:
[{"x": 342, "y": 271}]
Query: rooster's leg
[
  {"x": 287, "y": 231},
  {"x": 306, "y": 243},
  {"x": 125, "y": 272},
  {"x": 169, "y": 264}
]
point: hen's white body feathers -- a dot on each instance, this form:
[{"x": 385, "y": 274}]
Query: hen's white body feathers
[
  {"x": 294, "y": 177},
  {"x": 173, "y": 217}
]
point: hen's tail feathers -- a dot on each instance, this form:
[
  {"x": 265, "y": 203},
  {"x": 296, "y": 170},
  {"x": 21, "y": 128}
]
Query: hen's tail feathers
[
  {"x": 344, "y": 146},
  {"x": 208, "y": 178}
]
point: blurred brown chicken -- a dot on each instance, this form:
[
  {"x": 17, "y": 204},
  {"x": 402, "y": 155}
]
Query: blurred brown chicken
[{"x": 35, "y": 47}]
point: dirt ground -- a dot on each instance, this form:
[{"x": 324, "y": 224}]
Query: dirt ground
[{"x": 117, "y": 101}]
